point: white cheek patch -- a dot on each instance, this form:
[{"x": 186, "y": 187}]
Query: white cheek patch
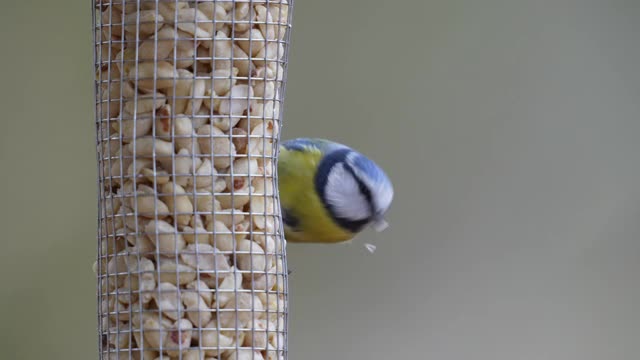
[{"x": 343, "y": 195}]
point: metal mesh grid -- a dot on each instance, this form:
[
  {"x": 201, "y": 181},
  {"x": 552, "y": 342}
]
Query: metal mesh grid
[{"x": 191, "y": 257}]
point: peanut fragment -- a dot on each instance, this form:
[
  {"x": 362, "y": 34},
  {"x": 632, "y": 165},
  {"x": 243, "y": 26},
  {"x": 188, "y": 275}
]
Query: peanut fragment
[
  {"x": 167, "y": 239},
  {"x": 178, "y": 203},
  {"x": 168, "y": 301},
  {"x": 147, "y": 21}
]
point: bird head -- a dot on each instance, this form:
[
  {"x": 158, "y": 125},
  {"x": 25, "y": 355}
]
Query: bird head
[{"x": 355, "y": 190}]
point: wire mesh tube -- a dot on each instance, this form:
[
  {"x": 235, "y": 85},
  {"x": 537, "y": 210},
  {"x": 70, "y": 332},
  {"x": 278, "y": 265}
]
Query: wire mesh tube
[{"x": 191, "y": 257}]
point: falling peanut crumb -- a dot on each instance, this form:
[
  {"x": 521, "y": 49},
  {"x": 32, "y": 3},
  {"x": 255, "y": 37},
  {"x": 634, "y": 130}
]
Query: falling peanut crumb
[{"x": 370, "y": 247}]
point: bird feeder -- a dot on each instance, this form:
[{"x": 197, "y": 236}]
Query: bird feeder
[{"x": 191, "y": 260}]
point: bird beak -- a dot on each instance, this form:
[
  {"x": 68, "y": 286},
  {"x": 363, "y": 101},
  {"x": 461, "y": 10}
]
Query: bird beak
[{"x": 379, "y": 224}]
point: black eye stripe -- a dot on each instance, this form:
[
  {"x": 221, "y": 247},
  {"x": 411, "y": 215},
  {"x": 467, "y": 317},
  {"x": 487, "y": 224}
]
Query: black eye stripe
[{"x": 364, "y": 190}]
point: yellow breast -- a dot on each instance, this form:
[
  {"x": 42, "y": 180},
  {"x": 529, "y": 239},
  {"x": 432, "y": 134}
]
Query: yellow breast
[{"x": 296, "y": 171}]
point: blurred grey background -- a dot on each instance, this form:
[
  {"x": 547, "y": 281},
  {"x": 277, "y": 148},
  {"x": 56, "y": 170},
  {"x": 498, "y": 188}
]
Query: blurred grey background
[{"x": 510, "y": 129}]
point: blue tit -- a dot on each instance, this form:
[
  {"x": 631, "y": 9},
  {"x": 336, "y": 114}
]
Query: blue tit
[{"x": 329, "y": 192}]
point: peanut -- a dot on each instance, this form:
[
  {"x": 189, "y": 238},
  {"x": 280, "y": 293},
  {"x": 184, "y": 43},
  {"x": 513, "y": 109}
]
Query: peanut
[
  {"x": 147, "y": 21},
  {"x": 165, "y": 236},
  {"x": 178, "y": 203}
]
